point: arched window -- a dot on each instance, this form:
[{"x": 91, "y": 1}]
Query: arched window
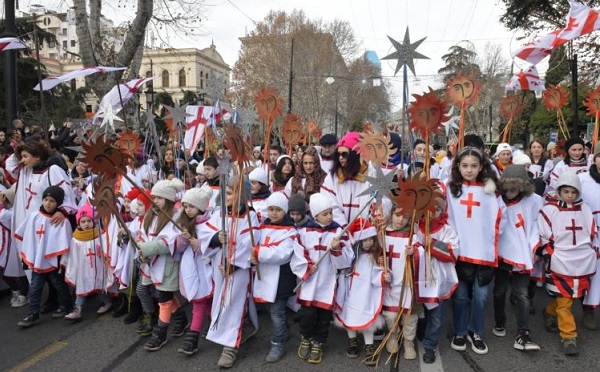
[
  {"x": 165, "y": 79},
  {"x": 182, "y": 78},
  {"x": 149, "y": 84}
]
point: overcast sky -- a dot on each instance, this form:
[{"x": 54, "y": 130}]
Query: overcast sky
[{"x": 443, "y": 22}]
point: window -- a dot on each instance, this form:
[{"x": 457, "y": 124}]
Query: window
[
  {"x": 52, "y": 44},
  {"x": 72, "y": 43},
  {"x": 73, "y": 84},
  {"x": 65, "y": 44},
  {"x": 65, "y": 55},
  {"x": 64, "y": 32},
  {"x": 182, "y": 78},
  {"x": 53, "y": 56},
  {"x": 165, "y": 79},
  {"x": 88, "y": 108}
]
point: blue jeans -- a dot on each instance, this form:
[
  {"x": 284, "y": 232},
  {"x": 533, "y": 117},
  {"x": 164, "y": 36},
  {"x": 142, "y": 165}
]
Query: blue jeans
[
  {"x": 37, "y": 286},
  {"x": 435, "y": 323},
  {"x": 469, "y": 318},
  {"x": 279, "y": 320}
]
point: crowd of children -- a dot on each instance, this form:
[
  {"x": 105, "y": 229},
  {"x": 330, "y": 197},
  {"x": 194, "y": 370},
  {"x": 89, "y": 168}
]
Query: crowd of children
[{"x": 233, "y": 244}]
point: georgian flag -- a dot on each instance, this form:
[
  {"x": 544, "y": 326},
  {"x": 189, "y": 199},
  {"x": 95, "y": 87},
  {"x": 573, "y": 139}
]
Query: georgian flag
[
  {"x": 52, "y": 81},
  {"x": 196, "y": 125},
  {"x": 112, "y": 98},
  {"x": 526, "y": 80},
  {"x": 581, "y": 21},
  {"x": 10, "y": 43}
]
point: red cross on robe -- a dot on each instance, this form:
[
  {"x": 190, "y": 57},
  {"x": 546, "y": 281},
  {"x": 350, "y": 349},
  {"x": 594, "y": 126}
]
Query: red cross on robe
[
  {"x": 470, "y": 203},
  {"x": 40, "y": 232},
  {"x": 573, "y": 228},
  {"x": 91, "y": 254},
  {"x": 392, "y": 255},
  {"x": 521, "y": 222},
  {"x": 31, "y": 195}
]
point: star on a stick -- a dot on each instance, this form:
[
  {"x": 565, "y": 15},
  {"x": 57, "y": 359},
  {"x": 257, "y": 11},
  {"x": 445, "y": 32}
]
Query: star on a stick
[
  {"x": 406, "y": 53},
  {"x": 381, "y": 185},
  {"x": 108, "y": 119},
  {"x": 177, "y": 113}
]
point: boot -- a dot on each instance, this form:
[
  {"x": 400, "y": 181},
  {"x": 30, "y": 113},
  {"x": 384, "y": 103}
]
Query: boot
[
  {"x": 180, "y": 322},
  {"x": 190, "y": 343},
  {"x": 144, "y": 327},
  {"x": 409, "y": 350},
  {"x": 392, "y": 343},
  {"x": 159, "y": 337},
  {"x": 589, "y": 321},
  {"x": 120, "y": 306},
  {"x": 135, "y": 311}
]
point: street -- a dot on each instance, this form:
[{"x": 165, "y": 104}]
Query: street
[{"x": 102, "y": 343}]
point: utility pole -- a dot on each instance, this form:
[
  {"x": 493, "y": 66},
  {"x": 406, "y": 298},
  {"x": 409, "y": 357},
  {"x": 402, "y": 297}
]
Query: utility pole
[
  {"x": 10, "y": 65},
  {"x": 291, "y": 83},
  {"x": 574, "y": 98},
  {"x": 39, "y": 71}
]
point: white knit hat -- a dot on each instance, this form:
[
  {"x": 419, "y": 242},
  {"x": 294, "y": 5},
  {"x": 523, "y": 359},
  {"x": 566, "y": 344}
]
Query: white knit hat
[
  {"x": 502, "y": 147},
  {"x": 259, "y": 174},
  {"x": 279, "y": 200},
  {"x": 319, "y": 203},
  {"x": 281, "y": 157},
  {"x": 198, "y": 197},
  {"x": 168, "y": 189},
  {"x": 200, "y": 168},
  {"x": 569, "y": 178},
  {"x": 521, "y": 158}
]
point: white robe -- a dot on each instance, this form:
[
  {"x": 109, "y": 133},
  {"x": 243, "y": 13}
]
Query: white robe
[
  {"x": 274, "y": 249},
  {"x": 560, "y": 168},
  {"x": 43, "y": 242},
  {"x": 398, "y": 294},
  {"x": 195, "y": 271},
  {"x": 538, "y": 172},
  {"x": 85, "y": 267},
  {"x": 124, "y": 266},
  {"x": 344, "y": 198},
  {"x": 155, "y": 268},
  {"x": 9, "y": 256},
  {"x": 590, "y": 190},
  {"x": 318, "y": 289},
  {"x": 479, "y": 220}
]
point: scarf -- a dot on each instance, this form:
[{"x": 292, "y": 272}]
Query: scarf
[
  {"x": 313, "y": 180},
  {"x": 576, "y": 163},
  {"x": 594, "y": 173},
  {"x": 85, "y": 235},
  {"x": 501, "y": 166}
]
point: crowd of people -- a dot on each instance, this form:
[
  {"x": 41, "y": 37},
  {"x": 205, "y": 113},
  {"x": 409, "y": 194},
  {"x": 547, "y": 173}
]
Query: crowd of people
[{"x": 293, "y": 235}]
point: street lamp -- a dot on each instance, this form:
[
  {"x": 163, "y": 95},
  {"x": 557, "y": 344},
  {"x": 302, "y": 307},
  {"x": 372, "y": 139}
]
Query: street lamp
[
  {"x": 149, "y": 98},
  {"x": 330, "y": 80}
]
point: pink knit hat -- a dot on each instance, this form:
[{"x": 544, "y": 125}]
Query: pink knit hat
[
  {"x": 85, "y": 211},
  {"x": 349, "y": 140}
]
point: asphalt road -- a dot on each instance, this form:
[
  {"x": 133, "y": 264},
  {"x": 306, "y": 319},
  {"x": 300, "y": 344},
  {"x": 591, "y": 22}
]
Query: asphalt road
[{"x": 101, "y": 343}]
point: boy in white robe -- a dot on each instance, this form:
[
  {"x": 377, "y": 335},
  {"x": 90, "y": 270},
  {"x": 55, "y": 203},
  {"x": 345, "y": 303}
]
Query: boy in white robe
[{"x": 43, "y": 243}]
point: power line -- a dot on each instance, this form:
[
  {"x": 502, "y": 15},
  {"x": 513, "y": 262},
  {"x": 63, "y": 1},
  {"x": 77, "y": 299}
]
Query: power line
[{"x": 241, "y": 11}]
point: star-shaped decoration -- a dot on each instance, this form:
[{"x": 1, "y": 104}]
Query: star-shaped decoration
[
  {"x": 215, "y": 87},
  {"x": 381, "y": 185},
  {"x": 108, "y": 119},
  {"x": 177, "y": 113},
  {"x": 150, "y": 119},
  {"x": 451, "y": 125},
  {"x": 406, "y": 53},
  {"x": 246, "y": 117}
]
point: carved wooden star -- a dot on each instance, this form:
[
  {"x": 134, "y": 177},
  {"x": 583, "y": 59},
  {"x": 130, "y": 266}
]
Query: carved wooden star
[
  {"x": 406, "y": 53},
  {"x": 381, "y": 185},
  {"x": 177, "y": 113}
]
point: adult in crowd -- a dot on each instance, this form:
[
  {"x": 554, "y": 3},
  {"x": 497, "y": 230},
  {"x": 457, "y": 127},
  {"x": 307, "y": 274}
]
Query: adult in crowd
[
  {"x": 310, "y": 175},
  {"x": 328, "y": 144}
]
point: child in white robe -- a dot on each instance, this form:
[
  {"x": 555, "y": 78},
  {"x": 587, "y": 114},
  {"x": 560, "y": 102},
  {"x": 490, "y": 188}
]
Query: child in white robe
[
  {"x": 259, "y": 190},
  {"x": 43, "y": 243},
  {"x": 318, "y": 238}
]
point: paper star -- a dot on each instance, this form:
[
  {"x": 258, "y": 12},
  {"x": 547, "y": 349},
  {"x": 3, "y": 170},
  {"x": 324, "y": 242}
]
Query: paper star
[
  {"x": 108, "y": 119},
  {"x": 246, "y": 117},
  {"x": 381, "y": 185},
  {"x": 215, "y": 87},
  {"x": 406, "y": 53},
  {"x": 451, "y": 125},
  {"x": 177, "y": 113},
  {"x": 150, "y": 119}
]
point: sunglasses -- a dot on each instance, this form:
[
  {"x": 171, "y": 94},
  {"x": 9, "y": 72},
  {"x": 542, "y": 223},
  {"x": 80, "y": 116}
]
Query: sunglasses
[{"x": 343, "y": 154}]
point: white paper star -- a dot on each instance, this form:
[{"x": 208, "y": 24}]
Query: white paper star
[
  {"x": 381, "y": 185},
  {"x": 177, "y": 113},
  {"x": 451, "y": 125},
  {"x": 108, "y": 119}
]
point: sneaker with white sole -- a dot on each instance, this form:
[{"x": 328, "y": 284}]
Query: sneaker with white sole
[
  {"x": 523, "y": 342},
  {"x": 458, "y": 343},
  {"x": 75, "y": 314},
  {"x": 499, "y": 331},
  {"x": 13, "y": 297},
  {"x": 477, "y": 344},
  {"x": 104, "y": 307},
  {"x": 20, "y": 301}
]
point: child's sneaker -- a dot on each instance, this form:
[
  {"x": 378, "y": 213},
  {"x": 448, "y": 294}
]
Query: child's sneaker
[
  {"x": 75, "y": 314},
  {"x": 499, "y": 331},
  {"x": 20, "y": 301},
  {"x": 523, "y": 342},
  {"x": 352, "y": 351},
  {"x": 304, "y": 349},
  {"x": 60, "y": 312},
  {"x": 276, "y": 353},
  {"x": 228, "y": 357},
  {"x": 570, "y": 346},
  {"x": 104, "y": 307},
  {"x": 30, "y": 320},
  {"x": 370, "y": 359},
  {"x": 409, "y": 350},
  {"x": 316, "y": 353},
  {"x": 429, "y": 356},
  {"x": 477, "y": 344},
  {"x": 13, "y": 297},
  {"x": 458, "y": 343}
]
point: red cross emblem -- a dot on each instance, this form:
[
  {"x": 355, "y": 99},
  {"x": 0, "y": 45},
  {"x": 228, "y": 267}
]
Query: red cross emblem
[
  {"x": 40, "y": 232},
  {"x": 91, "y": 254},
  {"x": 521, "y": 222},
  {"x": 31, "y": 194},
  {"x": 470, "y": 203},
  {"x": 392, "y": 255},
  {"x": 574, "y": 230}
]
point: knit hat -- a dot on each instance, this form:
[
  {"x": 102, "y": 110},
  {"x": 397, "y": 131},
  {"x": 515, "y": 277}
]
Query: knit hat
[
  {"x": 297, "y": 204},
  {"x": 318, "y": 204},
  {"x": 362, "y": 229},
  {"x": 168, "y": 189},
  {"x": 198, "y": 197},
  {"x": 259, "y": 174},
  {"x": 569, "y": 178},
  {"x": 328, "y": 139},
  {"x": 55, "y": 193},
  {"x": 10, "y": 194},
  {"x": 279, "y": 200},
  {"x": 132, "y": 194},
  {"x": 349, "y": 140},
  {"x": 200, "y": 168},
  {"x": 573, "y": 141},
  {"x": 256, "y": 148},
  {"x": 515, "y": 171},
  {"x": 282, "y": 157},
  {"x": 85, "y": 211},
  {"x": 551, "y": 146},
  {"x": 144, "y": 199},
  {"x": 502, "y": 147},
  {"x": 521, "y": 158}
]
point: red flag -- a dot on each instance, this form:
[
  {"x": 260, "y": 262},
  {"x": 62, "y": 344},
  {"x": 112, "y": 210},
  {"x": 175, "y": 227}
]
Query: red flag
[{"x": 526, "y": 80}]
